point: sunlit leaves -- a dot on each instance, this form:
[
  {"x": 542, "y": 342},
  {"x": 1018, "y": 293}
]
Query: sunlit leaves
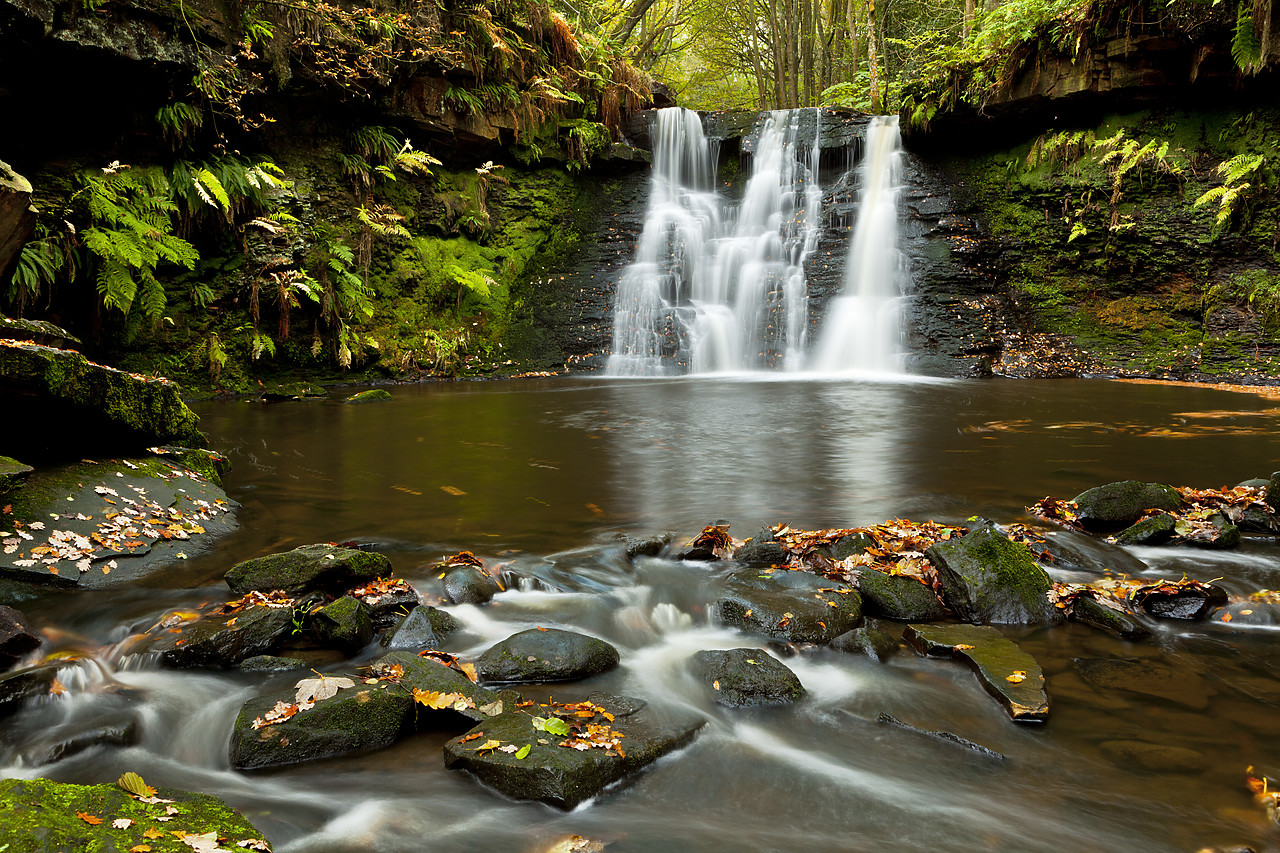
[
  {"x": 133, "y": 783},
  {"x": 552, "y": 725}
]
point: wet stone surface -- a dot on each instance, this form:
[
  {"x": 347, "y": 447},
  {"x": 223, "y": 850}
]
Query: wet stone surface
[{"x": 1008, "y": 673}]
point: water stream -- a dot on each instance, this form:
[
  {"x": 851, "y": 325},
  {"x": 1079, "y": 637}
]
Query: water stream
[{"x": 543, "y": 475}]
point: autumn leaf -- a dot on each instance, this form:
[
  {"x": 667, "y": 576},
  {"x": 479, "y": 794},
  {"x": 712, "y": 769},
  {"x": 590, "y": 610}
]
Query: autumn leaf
[
  {"x": 153, "y": 833},
  {"x": 524, "y": 750},
  {"x": 313, "y": 690},
  {"x": 469, "y": 670},
  {"x": 92, "y": 820},
  {"x": 1018, "y": 676},
  {"x": 472, "y": 736},
  {"x": 133, "y": 783},
  {"x": 57, "y": 688},
  {"x": 121, "y": 823},
  {"x": 140, "y": 848},
  {"x": 489, "y": 745},
  {"x": 554, "y": 725}
]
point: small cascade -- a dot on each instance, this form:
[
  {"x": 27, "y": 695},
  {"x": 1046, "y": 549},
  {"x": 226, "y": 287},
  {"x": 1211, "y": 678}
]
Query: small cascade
[
  {"x": 716, "y": 287},
  {"x": 860, "y": 330}
]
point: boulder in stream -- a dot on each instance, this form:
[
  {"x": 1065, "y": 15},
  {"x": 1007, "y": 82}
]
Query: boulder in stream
[
  {"x": 555, "y": 759},
  {"x": 645, "y": 546},
  {"x": 468, "y": 584},
  {"x": 742, "y": 677},
  {"x": 1006, "y": 672},
  {"x": 762, "y": 551},
  {"x": 988, "y": 578},
  {"x": 16, "y": 639},
  {"x": 1120, "y": 504},
  {"x": 1156, "y": 530},
  {"x": 311, "y": 567},
  {"x": 546, "y": 654},
  {"x": 343, "y": 624},
  {"x": 791, "y": 605},
  {"x": 425, "y": 627},
  {"x": 218, "y": 639},
  {"x": 872, "y": 642},
  {"x": 42, "y": 815},
  {"x": 1179, "y": 600},
  {"x": 898, "y": 597},
  {"x": 373, "y": 395}
]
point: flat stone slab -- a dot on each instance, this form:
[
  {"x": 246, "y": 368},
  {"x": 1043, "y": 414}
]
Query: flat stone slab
[
  {"x": 576, "y": 753},
  {"x": 789, "y": 605},
  {"x": 742, "y": 677},
  {"x": 994, "y": 659},
  {"x": 100, "y": 524}
]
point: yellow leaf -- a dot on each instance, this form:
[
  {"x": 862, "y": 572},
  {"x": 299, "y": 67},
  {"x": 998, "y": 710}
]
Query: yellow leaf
[
  {"x": 133, "y": 783},
  {"x": 960, "y": 647},
  {"x": 140, "y": 848},
  {"x": 92, "y": 820},
  {"x": 152, "y": 833},
  {"x": 1017, "y": 677}
]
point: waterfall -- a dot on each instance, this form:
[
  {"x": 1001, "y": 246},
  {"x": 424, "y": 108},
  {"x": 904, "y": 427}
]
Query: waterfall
[
  {"x": 860, "y": 331},
  {"x": 717, "y": 287}
]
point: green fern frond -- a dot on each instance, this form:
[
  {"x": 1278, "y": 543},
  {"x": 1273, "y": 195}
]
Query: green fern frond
[{"x": 1246, "y": 48}]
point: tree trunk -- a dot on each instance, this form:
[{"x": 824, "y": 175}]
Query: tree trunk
[
  {"x": 872, "y": 60},
  {"x": 970, "y": 12}
]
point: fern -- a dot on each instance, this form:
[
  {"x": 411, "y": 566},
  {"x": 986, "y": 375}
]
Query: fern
[
  {"x": 37, "y": 269},
  {"x": 1246, "y": 49},
  {"x": 178, "y": 122},
  {"x": 1234, "y": 190},
  {"x": 212, "y": 192}
]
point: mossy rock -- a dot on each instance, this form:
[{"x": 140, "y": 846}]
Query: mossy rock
[
  {"x": 1086, "y": 610},
  {"x": 40, "y": 816},
  {"x": 1156, "y": 530},
  {"x": 1120, "y": 504},
  {"x": 373, "y": 395},
  {"x": 546, "y": 654},
  {"x": 789, "y": 605},
  {"x": 12, "y": 473},
  {"x": 343, "y": 624},
  {"x": 217, "y": 640},
  {"x": 872, "y": 642},
  {"x": 744, "y": 677},
  {"x": 425, "y": 627},
  {"x": 73, "y": 407},
  {"x": 988, "y": 578},
  {"x": 311, "y": 567},
  {"x": 898, "y": 597},
  {"x": 1008, "y": 673},
  {"x": 38, "y": 332},
  {"x": 469, "y": 585}
]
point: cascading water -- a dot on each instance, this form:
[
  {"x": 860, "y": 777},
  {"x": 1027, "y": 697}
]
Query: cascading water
[
  {"x": 714, "y": 288},
  {"x": 860, "y": 331}
]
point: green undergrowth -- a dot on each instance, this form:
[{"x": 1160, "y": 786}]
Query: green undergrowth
[{"x": 1116, "y": 236}]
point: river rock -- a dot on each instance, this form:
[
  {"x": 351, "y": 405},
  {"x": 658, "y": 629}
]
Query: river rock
[
  {"x": 16, "y": 640},
  {"x": 1273, "y": 491},
  {"x": 1089, "y": 611},
  {"x": 42, "y": 815},
  {"x": 469, "y": 585},
  {"x": 55, "y": 746},
  {"x": 1255, "y": 519},
  {"x": 310, "y": 567},
  {"x": 373, "y": 395},
  {"x": 1155, "y": 757},
  {"x": 1080, "y": 552},
  {"x": 846, "y": 546},
  {"x": 1120, "y": 504},
  {"x": 872, "y": 642},
  {"x": 995, "y": 659},
  {"x": 1146, "y": 677},
  {"x": 272, "y": 663},
  {"x": 1224, "y": 536},
  {"x": 1183, "y": 603},
  {"x": 646, "y": 546},
  {"x": 17, "y": 217},
  {"x": 1156, "y": 530},
  {"x": 742, "y": 677},
  {"x": 762, "y": 551},
  {"x": 50, "y": 335},
  {"x": 898, "y": 597},
  {"x": 387, "y": 600},
  {"x": 559, "y": 775},
  {"x": 988, "y": 578},
  {"x": 20, "y": 685},
  {"x": 431, "y": 676},
  {"x": 424, "y": 628},
  {"x": 343, "y": 624},
  {"x": 944, "y": 736},
  {"x": 789, "y": 605},
  {"x": 12, "y": 473},
  {"x": 216, "y": 639},
  {"x": 546, "y": 654}
]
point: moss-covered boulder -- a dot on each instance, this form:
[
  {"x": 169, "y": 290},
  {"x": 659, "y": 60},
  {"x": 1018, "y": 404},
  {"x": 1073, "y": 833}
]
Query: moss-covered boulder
[
  {"x": 1005, "y": 671},
  {"x": 322, "y": 567},
  {"x": 40, "y": 816},
  {"x": 37, "y": 332},
  {"x": 343, "y": 624},
  {"x": 1120, "y": 504},
  {"x": 1219, "y": 535},
  {"x": 71, "y": 407},
  {"x": 12, "y": 473},
  {"x": 986, "y": 577},
  {"x": 546, "y": 654},
  {"x": 789, "y": 605},
  {"x": 762, "y": 551},
  {"x": 1156, "y": 530},
  {"x": 552, "y": 769},
  {"x": 898, "y": 597},
  {"x": 874, "y": 643},
  {"x": 431, "y": 675},
  {"x": 742, "y": 677},
  {"x": 373, "y": 395},
  {"x": 1273, "y": 491},
  {"x": 218, "y": 639},
  {"x": 425, "y": 627},
  {"x": 17, "y": 217}
]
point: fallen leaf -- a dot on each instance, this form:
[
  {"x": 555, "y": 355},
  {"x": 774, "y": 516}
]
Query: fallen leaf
[
  {"x": 153, "y": 832},
  {"x": 524, "y": 750},
  {"x": 133, "y": 783},
  {"x": 57, "y": 688},
  {"x": 121, "y": 823},
  {"x": 313, "y": 690},
  {"x": 716, "y": 684},
  {"x": 92, "y": 820},
  {"x": 1018, "y": 676},
  {"x": 490, "y": 744}
]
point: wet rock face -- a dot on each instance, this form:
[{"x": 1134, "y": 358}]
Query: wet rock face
[
  {"x": 789, "y": 605},
  {"x": 1008, "y": 673},
  {"x": 986, "y": 577},
  {"x": 17, "y": 218},
  {"x": 546, "y": 655},
  {"x": 896, "y": 597},
  {"x": 217, "y": 640},
  {"x": 559, "y": 775},
  {"x": 1156, "y": 530},
  {"x": 23, "y": 684},
  {"x": 872, "y": 642},
  {"x": 343, "y": 624},
  {"x": 1185, "y": 603},
  {"x": 741, "y": 677},
  {"x": 16, "y": 638},
  {"x": 424, "y": 628},
  {"x": 469, "y": 585},
  {"x": 311, "y": 567},
  {"x": 1116, "y": 505},
  {"x": 1088, "y": 611}
]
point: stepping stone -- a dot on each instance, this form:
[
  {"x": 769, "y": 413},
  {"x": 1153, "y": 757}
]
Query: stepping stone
[{"x": 995, "y": 660}]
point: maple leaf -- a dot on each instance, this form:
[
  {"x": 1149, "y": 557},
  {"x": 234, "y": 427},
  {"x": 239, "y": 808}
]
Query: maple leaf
[
  {"x": 313, "y": 690},
  {"x": 121, "y": 823}
]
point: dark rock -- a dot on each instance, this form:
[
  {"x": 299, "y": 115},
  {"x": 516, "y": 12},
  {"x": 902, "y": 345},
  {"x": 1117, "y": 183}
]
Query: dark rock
[
  {"x": 789, "y": 605},
  {"x": 546, "y": 655},
  {"x": 389, "y": 608},
  {"x": 1273, "y": 492},
  {"x": 424, "y": 628},
  {"x": 1182, "y": 603},
  {"x": 760, "y": 554},
  {"x": 1120, "y": 504},
  {"x": 47, "y": 334},
  {"x": 1257, "y": 520},
  {"x": 210, "y": 464},
  {"x": 432, "y": 676},
  {"x": 649, "y": 546},
  {"x": 12, "y": 473},
  {"x": 1089, "y": 611},
  {"x": 69, "y": 401},
  {"x": 23, "y": 684},
  {"x": 872, "y": 642},
  {"x": 1224, "y": 536},
  {"x": 561, "y": 776},
  {"x": 373, "y": 395},
  {"x": 994, "y": 659},
  {"x": 898, "y": 597},
  {"x": 1145, "y": 677},
  {"x": 946, "y": 737},
  {"x": 1083, "y": 553},
  {"x": 271, "y": 663},
  {"x": 216, "y": 640},
  {"x": 17, "y": 218},
  {"x": 742, "y": 677},
  {"x": 846, "y": 546},
  {"x": 1155, "y": 757},
  {"x": 311, "y": 567},
  {"x": 48, "y": 750},
  {"x": 698, "y": 554},
  {"x": 16, "y": 639},
  {"x": 41, "y": 815},
  {"x": 1156, "y": 530},
  {"x": 469, "y": 585},
  {"x": 343, "y": 624},
  {"x": 986, "y": 577},
  {"x": 663, "y": 95}
]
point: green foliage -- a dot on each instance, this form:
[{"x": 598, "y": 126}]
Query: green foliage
[
  {"x": 1121, "y": 155},
  {"x": 1235, "y": 189},
  {"x": 39, "y": 264},
  {"x": 463, "y": 101},
  {"x": 178, "y": 122},
  {"x": 1246, "y": 47}
]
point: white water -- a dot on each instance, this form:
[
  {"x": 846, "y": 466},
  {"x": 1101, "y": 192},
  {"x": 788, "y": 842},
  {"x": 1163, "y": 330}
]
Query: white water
[
  {"x": 715, "y": 287},
  {"x": 860, "y": 332}
]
